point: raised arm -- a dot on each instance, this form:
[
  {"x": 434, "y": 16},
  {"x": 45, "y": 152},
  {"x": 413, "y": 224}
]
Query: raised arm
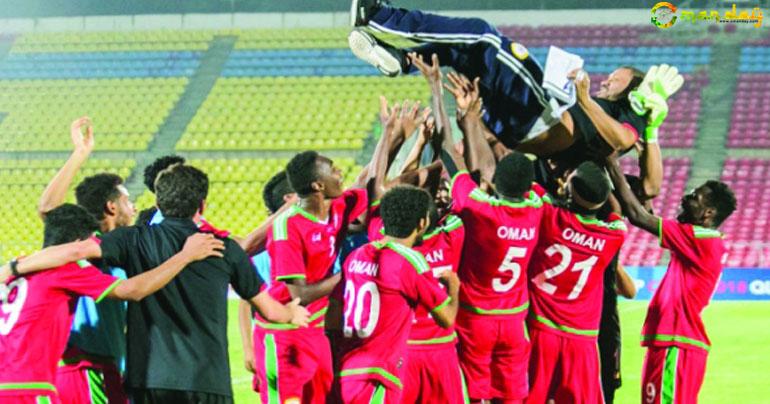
[
  {"x": 56, "y": 190},
  {"x": 452, "y": 160},
  {"x": 617, "y": 136},
  {"x": 479, "y": 155},
  {"x": 636, "y": 213},
  {"x": 623, "y": 283},
  {"x": 651, "y": 169},
  {"x": 391, "y": 128},
  {"x": 414, "y": 117}
]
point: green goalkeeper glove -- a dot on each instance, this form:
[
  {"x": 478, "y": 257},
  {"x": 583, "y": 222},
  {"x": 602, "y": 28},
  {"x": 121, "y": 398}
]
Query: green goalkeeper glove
[
  {"x": 663, "y": 80},
  {"x": 658, "y": 110}
]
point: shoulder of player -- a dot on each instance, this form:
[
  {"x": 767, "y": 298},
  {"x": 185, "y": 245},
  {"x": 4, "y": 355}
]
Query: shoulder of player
[
  {"x": 706, "y": 233},
  {"x": 280, "y": 227},
  {"x": 530, "y": 200},
  {"x": 614, "y": 223},
  {"x": 414, "y": 258}
]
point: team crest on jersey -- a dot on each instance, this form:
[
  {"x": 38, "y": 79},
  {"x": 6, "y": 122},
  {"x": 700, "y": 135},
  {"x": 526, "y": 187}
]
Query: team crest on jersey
[
  {"x": 519, "y": 50},
  {"x": 316, "y": 237}
]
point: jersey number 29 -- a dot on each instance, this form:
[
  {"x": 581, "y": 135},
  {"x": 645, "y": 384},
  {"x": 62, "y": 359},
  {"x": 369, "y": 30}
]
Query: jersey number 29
[
  {"x": 12, "y": 309},
  {"x": 354, "y": 304}
]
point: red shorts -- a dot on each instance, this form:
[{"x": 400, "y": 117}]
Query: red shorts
[
  {"x": 78, "y": 383},
  {"x": 366, "y": 391},
  {"x": 672, "y": 375},
  {"x": 294, "y": 364},
  {"x": 563, "y": 369},
  {"x": 494, "y": 354},
  {"x": 433, "y": 375}
]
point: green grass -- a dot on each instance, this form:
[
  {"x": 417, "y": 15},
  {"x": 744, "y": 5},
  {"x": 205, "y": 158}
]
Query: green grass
[{"x": 737, "y": 371}]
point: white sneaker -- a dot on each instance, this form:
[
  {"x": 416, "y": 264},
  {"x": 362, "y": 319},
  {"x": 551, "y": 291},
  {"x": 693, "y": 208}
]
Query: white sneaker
[{"x": 366, "y": 48}]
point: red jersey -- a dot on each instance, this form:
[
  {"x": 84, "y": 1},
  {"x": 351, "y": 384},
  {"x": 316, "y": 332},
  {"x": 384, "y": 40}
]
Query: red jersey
[
  {"x": 567, "y": 272},
  {"x": 302, "y": 246},
  {"x": 442, "y": 249},
  {"x": 374, "y": 224},
  {"x": 504, "y": 237},
  {"x": 382, "y": 284},
  {"x": 674, "y": 316},
  {"x": 35, "y": 321}
]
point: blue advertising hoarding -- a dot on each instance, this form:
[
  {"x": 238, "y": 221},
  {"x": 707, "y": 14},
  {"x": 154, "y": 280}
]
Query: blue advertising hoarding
[{"x": 735, "y": 284}]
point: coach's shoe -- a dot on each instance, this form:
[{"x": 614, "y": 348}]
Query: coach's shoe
[
  {"x": 390, "y": 61},
  {"x": 363, "y": 10}
]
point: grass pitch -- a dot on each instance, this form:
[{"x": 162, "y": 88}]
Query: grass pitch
[{"x": 738, "y": 369}]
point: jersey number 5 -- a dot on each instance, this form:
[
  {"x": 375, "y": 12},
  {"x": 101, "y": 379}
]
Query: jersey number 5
[
  {"x": 12, "y": 309},
  {"x": 584, "y": 267},
  {"x": 354, "y": 304},
  {"x": 509, "y": 266}
]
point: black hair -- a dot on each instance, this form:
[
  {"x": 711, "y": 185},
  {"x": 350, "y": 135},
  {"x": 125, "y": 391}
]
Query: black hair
[
  {"x": 95, "y": 191},
  {"x": 161, "y": 163},
  {"x": 275, "y": 189},
  {"x": 722, "y": 199},
  {"x": 637, "y": 76},
  {"x": 67, "y": 223},
  {"x": 514, "y": 175},
  {"x": 301, "y": 172},
  {"x": 145, "y": 216},
  {"x": 181, "y": 190},
  {"x": 590, "y": 183},
  {"x": 402, "y": 208}
]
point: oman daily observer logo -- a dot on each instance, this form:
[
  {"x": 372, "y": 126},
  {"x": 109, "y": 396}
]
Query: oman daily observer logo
[{"x": 665, "y": 15}]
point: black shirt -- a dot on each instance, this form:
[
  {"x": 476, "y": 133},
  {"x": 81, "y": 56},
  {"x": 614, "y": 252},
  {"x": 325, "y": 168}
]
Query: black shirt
[
  {"x": 589, "y": 145},
  {"x": 177, "y": 337}
]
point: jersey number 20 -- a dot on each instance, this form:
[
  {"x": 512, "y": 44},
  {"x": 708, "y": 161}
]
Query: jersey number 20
[{"x": 354, "y": 304}]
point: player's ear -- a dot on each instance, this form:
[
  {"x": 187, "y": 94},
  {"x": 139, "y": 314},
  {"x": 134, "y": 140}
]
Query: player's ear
[
  {"x": 708, "y": 214},
  {"x": 317, "y": 186},
  {"x": 111, "y": 208}
]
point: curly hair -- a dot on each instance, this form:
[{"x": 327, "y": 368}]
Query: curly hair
[
  {"x": 161, "y": 163},
  {"x": 402, "y": 208},
  {"x": 94, "y": 192},
  {"x": 301, "y": 172},
  {"x": 722, "y": 199},
  {"x": 67, "y": 223},
  {"x": 514, "y": 175},
  {"x": 181, "y": 190}
]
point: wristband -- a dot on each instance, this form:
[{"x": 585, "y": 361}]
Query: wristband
[
  {"x": 651, "y": 135},
  {"x": 14, "y": 264}
]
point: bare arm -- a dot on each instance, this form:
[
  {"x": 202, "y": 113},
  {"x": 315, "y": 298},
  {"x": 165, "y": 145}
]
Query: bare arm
[
  {"x": 196, "y": 247},
  {"x": 479, "y": 155},
  {"x": 651, "y": 169},
  {"x": 453, "y": 161},
  {"x": 56, "y": 190},
  {"x": 273, "y": 311},
  {"x": 244, "y": 326},
  {"x": 379, "y": 167},
  {"x": 623, "y": 283},
  {"x": 617, "y": 136},
  {"x": 255, "y": 241},
  {"x": 445, "y": 316},
  {"x": 308, "y": 293},
  {"x": 412, "y": 161},
  {"x": 636, "y": 213}
]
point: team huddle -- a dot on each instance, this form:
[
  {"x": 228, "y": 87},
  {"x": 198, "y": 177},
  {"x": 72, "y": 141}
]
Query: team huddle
[{"x": 469, "y": 268}]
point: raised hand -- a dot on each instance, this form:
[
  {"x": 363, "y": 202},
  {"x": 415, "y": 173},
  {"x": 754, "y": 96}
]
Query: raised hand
[
  {"x": 582, "y": 84},
  {"x": 431, "y": 72},
  {"x": 410, "y": 117},
  {"x": 466, "y": 94},
  {"x": 82, "y": 135},
  {"x": 390, "y": 118}
]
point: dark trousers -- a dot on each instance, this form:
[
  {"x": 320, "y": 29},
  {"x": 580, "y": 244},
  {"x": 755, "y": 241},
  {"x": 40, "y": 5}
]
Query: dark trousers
[
  {"x": 163, "y": 396},
  {"x": 510, "y": 80}
]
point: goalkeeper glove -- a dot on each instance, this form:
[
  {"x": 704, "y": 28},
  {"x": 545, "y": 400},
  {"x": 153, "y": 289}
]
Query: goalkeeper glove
[
  {"x": 663, "y": 80},
  {"x": 658, "y": 109}
]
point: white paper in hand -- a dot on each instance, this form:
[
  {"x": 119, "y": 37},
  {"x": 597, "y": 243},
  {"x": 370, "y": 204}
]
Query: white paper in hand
[{"x": 557, "y": 65}]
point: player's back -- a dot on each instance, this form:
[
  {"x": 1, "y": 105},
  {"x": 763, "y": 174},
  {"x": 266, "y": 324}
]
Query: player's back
[
  {"x": 502, "y": 236},
  {"x": 35, "y": 320},
  {"x": 566, "y": 275},
  {"x": 379, "y": 295}
]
